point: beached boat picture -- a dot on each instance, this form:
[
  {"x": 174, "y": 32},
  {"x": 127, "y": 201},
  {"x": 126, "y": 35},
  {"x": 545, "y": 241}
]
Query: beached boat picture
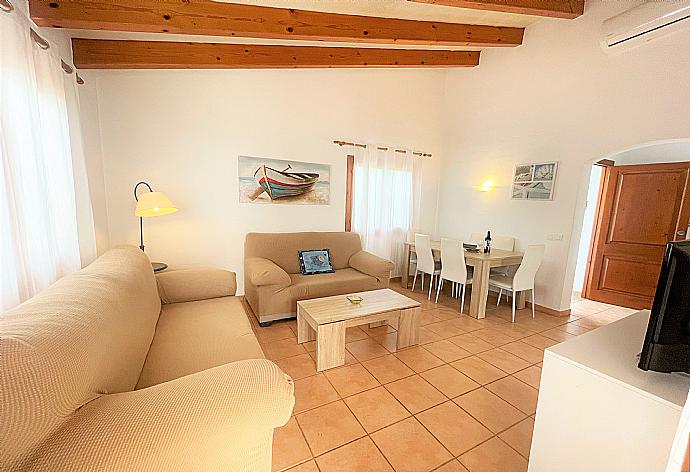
[{"x": 264, "y": 180}]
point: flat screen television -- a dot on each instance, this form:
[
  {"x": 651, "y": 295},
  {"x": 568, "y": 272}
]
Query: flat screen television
[{"x": 667, "y": 342}]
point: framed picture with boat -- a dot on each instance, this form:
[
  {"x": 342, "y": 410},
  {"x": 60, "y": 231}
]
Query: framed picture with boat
[
  {"x": 278, "y": 181},
  {"x": 534, "y": 181}
]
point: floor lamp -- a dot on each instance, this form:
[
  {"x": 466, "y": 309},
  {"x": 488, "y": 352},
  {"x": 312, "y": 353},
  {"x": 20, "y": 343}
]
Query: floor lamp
[{"x": 151, "y": 204}]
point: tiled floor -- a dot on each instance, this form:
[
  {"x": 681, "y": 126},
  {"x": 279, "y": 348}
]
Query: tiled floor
[{"x": 463, "y": 400}]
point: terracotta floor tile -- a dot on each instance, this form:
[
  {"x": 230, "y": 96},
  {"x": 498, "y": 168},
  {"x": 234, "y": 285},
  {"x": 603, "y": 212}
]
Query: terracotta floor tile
[
  {"x": 297, "y": 367},
  {"x": 282, "y": 348},
  {"x": 376, "y": 409},
  {"x": 289, "y": 446},
  {"x": 491, "y": 410},
  {"x": 446, "y": 350},
  {"x": 505, "y": 361},
  {"x": 524, "y": 351},
  {"x": 329, "y": 426},
  {"x": 387, "y": 368},
  {"x": 513, "y": 330},
  {"x": 354, "y": 333},
  {"x": 493, "y": 456},
  {"x": 313, "y": 391},
  {"x": 309, "y": 346},
  {"x": 409, "y": 447},
  {"x": 446, "y": 314},
  {"x": 531, "y": 376},
  {"x": 360, "y": 455},
  {"x": 558, "y": 334},
  {"x": 575, "y": 329},
  {"x": 427, "y": 319},
  {"x": 517, "y": 393},
  {"x": 415, "y": 393},
  {"x": 539, "y": 341},
  {"x": 467, "y": 323},
  {"x": 366, "y": 349},
  {"x": 389, "y": 341},
  {"x": 456, "y": 429},
  {"x": 418, "y": 359},
  {"x": 309, "y": 466},
  {"x": 274, "y": 332},
  {"x": 493, "y": 336},
  {"x": 449, "y": 381},
  {"x": 519, "y": 437},
  {"x": 478, "y": 370},
  {"x": 446, "y": 329},
  {"x": 471, "y": 343},
  {"x": 427, "y": 336},
  {"x": 452, "y": 466},
  {"x": 351, "y": 379}
]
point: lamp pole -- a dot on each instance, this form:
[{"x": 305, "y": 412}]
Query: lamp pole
[{"x": 141, "y": 220}]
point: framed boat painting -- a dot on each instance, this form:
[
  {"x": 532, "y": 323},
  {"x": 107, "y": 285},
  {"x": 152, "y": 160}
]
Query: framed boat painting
[
  {"x": 277, "y": 181},
  {"x": 534, "y": 181}
]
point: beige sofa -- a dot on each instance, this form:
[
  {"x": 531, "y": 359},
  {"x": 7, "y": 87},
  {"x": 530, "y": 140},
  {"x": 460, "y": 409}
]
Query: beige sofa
[
  {"x": 96, "y": 375},
  {"x": 273, "y": 283}
]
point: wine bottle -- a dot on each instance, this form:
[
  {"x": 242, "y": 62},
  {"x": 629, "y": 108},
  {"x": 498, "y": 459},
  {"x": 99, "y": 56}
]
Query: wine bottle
[{"x": 487, "y": 243}]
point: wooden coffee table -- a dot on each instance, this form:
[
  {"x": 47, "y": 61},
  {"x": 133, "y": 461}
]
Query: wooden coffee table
[{"x": 326, "y": 319}]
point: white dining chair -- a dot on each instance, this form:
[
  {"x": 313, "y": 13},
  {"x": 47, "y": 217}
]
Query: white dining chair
[
  {"x": 453, "y": 269},
  {"x": 523, "y": 279},
  {"x": 425, "y": 261}
]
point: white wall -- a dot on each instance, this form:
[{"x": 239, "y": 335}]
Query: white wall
[
  {"x": 182, "y": 132},
  {"x": 587, "y": 227},
  {"x": 557, "y": 97}
]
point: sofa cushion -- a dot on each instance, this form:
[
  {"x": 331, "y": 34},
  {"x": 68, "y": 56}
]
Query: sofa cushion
[
  {"x": 187, "y": 285},
  {"x": 85, "y": 336},
  {"x": 194, "y": 336},
  {"x": 339, "y": 282},
  {"x": 283, "y": 248}
]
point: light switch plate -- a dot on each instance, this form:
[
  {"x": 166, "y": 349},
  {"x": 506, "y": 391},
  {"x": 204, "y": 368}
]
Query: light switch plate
[{"x": 554, "y": 237}]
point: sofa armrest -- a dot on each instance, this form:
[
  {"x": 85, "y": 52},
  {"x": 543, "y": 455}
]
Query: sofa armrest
[
  {"x": 219, "y": 419},
  {"x": 261, "y": 272},
  {"x": 372, "y": 265},
  {"x": 188, "y": 285}
]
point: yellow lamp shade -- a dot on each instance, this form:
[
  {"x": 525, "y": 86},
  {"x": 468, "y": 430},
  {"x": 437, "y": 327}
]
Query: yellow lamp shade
[{"x": 154, "y": 204}]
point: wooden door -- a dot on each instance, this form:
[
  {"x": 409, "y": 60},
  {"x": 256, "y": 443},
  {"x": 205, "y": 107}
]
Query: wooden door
[{"x": 641, "y": 208}]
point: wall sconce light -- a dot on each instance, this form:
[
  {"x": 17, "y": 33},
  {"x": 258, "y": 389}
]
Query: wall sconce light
[{"x": 486, "y": 186}]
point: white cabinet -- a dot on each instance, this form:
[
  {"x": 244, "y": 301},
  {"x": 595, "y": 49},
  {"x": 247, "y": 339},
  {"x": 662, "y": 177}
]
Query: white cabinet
[{"x": 598, "y": 412}]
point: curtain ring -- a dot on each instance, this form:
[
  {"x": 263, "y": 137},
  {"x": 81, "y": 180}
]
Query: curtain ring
[
  {"x": 66, "y": 67},
  {"x": 40, "y": 42},
  {"x": 80, "y": 81},
  {"x": 6, "y": 6}
]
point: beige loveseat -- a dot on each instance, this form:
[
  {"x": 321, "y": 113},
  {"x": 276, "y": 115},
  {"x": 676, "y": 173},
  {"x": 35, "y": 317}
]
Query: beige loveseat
[
  {"x": 96, "y": 375},
  {"x": 273, "y": 283}
]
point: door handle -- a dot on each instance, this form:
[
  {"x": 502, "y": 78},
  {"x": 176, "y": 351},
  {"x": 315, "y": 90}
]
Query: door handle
[{"x": 681, "y": 233}]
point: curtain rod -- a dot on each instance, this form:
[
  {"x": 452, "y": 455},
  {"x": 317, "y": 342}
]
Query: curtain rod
[{"x": 402, "y": 151}]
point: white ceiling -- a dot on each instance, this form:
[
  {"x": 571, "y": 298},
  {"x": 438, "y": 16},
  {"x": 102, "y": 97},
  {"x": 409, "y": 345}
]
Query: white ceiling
[{"x": 382, "y": 8}]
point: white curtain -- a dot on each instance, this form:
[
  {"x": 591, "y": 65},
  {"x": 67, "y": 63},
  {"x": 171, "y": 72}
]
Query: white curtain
[
  {"x": 38, "y": 204},
  {"x": 386, "y": 196}
]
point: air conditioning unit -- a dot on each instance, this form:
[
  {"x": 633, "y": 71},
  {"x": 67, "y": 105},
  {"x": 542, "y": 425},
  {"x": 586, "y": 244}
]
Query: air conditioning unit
[{"x": 643, "y": 23}]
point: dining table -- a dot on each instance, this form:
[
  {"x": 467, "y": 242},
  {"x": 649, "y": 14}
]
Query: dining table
[{"x": 482, "y": 263}]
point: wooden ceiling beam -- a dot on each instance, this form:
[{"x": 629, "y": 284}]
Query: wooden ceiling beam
[
  {"x": 568, "y": 9},
  {"x": 117, "y": 54},
  {"x": 205, "y": 17}
]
